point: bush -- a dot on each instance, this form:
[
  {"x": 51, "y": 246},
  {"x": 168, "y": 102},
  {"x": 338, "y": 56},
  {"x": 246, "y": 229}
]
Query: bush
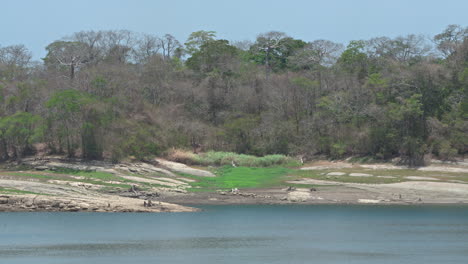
[
  {"x": 338, "y": 150},
  {"x": 180, "y": 155},
  {"x": 213, "y": 158}
]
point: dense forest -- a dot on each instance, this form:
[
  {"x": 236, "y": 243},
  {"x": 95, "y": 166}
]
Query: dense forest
[{"x": 115, "y": 94}]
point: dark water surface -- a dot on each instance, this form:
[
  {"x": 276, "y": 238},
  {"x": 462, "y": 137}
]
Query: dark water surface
[{"x": 241, "y": 234}]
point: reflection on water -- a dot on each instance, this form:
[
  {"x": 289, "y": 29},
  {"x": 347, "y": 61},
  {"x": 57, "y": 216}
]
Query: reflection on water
[{"x": 250, "y": 234}]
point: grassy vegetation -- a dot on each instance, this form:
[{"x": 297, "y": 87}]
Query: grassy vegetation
[
  {"x": 16, "y": 191},
  {"x": 105, "y": 176},
  {"x": 229, "y": 177},
  {"x": 241, "y": 177},
  {"x": 260, "y": 173},
  {"x": 213, "y": 158},
  {"x": 96, "y": 178}
]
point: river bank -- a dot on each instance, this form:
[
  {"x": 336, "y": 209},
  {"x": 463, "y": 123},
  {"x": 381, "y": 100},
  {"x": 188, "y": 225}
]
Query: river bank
[{"x": 56, "y": 184}]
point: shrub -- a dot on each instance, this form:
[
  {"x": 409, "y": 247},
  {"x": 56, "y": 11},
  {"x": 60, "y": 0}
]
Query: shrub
[
  {"x": 180, "y": 155},
  {"x": 214, "y": 158}
]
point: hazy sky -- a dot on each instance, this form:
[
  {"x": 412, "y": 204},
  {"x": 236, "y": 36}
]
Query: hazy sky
[{"x": 36, "y": 23}]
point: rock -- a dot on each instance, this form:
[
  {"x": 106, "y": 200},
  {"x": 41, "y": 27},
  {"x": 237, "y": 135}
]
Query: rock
[
  {"x": 336, "y": 174},
  {"x": 179, "y": 167},
  {"x": 83, "y": 206},
  {"x": 135, "y": 170},
  {"x": 298, "y": 196},
  {"x": 41, "y": 168},
  {"x": 3, "y": 200},
  {"x": 368, "y": 201},
  {"x": 178, "y": 190},
  {"x": 421, "y": 178}
]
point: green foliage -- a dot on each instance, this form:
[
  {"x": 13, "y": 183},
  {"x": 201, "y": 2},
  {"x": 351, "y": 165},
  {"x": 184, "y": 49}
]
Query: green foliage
[
  {"x": 353, "y": 59},
  {"x": 445, "y": 151},
  {"x": 238, "y": 132},
  {"x": 139, "y": 142},
  {"x": 214, "y": 55},
  {"x": 273, "y": 50},
  {"x": 20, "y": 130},
  {"x": 197, "y": 39},
  {"x": 338, "y": 150},
  {"x": 67, "y": 102},
  {"x": 408, "y": 109},
  {"x": 75, "y": 116}
]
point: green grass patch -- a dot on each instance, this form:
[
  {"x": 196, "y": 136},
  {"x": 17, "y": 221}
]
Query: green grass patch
[{"x": 241, "y": 177}]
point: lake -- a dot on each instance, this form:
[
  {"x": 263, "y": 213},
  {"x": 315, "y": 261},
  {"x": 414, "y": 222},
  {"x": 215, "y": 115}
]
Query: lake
[{"x": 241, "y": 234}]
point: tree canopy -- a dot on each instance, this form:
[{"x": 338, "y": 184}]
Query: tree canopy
[{"x": 114, "y": 93}]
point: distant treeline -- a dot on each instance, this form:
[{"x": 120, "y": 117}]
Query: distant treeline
[{"x": 114, "y": 94}]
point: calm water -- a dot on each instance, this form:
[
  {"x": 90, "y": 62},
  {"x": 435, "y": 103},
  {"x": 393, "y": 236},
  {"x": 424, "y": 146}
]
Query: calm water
[{"x": 241, "y": 234}]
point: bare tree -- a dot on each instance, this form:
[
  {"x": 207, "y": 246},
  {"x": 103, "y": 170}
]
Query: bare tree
[
  {"x": 14, "y": 61},
  {"x": 93, "y": 41},
  {"x": 147, "y": 46},
  {"x": 319, "y": 52},
  {"x": 169, "y": 45}
]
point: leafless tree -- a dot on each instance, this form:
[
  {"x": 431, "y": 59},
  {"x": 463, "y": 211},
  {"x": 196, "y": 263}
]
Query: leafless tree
[{"x": 169, "y": 45}]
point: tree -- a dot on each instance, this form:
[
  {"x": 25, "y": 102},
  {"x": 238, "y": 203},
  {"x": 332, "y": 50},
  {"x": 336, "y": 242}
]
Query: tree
[
  {"x": 272, "y": 50},
  {"x": 147, "y": 47},
  {"x": 197, "y": 39},
  {"x": 402, "y": 49},
  {"x": 408, "y": 117},
  {"x": 213, "y": 55},
  {"x": 14, "y": 61},
  {"x": 353, "y": 59},
  {"x": 317, "y": 53},
  {"x": 66, "y": 53},
  {"x": 169, "y": 45},
  {"x": 65, "y": 119},
  {"x": 94, "y": 43},
  {"x": 18, "y": 131},
  {"x": 450, "y": 38}
]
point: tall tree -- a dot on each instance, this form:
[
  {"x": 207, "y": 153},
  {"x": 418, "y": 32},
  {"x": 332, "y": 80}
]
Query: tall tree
[{"x": 197, "y": 39}]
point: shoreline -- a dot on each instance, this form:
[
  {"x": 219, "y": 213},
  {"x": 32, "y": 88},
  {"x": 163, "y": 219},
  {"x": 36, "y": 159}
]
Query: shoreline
[
  {"x": 52, "y": 184},
  {"x": 195, "y": 207}
]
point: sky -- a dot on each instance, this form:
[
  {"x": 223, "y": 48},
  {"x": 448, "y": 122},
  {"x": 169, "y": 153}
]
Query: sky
[{"x": 37, "y": 23}]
